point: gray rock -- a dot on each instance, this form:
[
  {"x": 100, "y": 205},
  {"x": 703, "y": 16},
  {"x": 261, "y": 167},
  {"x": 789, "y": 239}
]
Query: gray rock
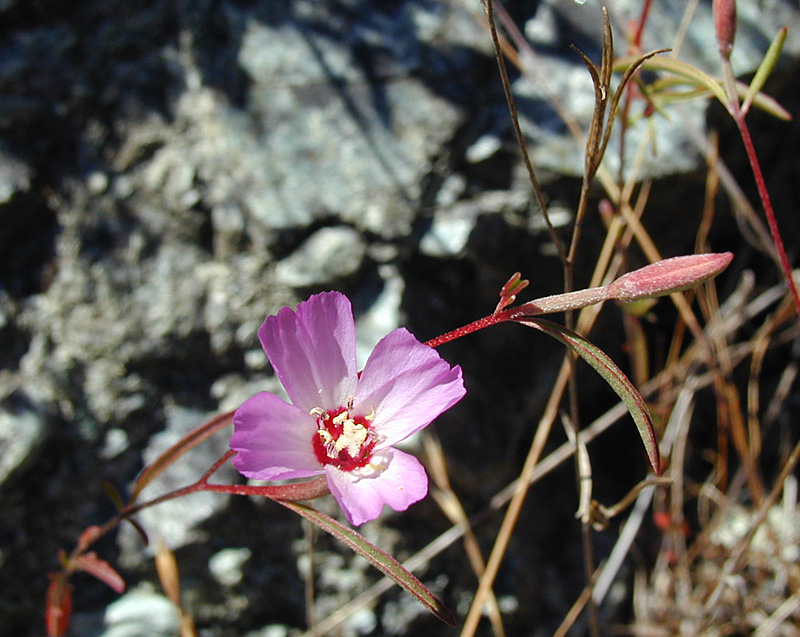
[
  {"x": 276, "y": 630},
  {"x": 226, "y": 565},
  {"x": 364, "y": 163},
  {"x": 15, "y": 176},
  {"x": 383, "y": 316},
  {"x": 22, "y": 431},
  {"x": 327, "y": 256},
  {"x": 141, "y": 613}
]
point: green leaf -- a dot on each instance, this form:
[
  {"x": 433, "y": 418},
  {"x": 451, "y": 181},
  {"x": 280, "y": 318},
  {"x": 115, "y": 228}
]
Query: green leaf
[
  {"x": 704, "y": 85},
  {"x": 189, "y": 441},
  {"x": 379, "y": 559},
  {"x": 765, "y": 68},
  {"x": 671, "y": 88},
  {"x": 693, "y": 75},
  {"x": 613, "y": 375}
]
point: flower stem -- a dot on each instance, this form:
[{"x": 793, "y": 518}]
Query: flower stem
[
  {"x": 766, "y": 202},
  {"x": 739, "y": 117},
  {"x": 298, "y": 491},
  {"x": 486, "y": 321}
]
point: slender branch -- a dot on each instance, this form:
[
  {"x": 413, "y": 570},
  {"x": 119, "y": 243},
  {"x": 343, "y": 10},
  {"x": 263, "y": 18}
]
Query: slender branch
[
  {"x": 766, "y": 202},
  {"x": 725, "y": 23}
]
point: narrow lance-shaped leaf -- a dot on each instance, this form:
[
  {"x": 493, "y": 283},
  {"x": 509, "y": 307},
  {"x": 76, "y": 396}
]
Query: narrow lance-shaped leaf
[
  {"x": 613, "y": 375},
  {"x": 379, "y": 559},
  {"x": 692, "y": 74},
  {"x": 668, "y": 89},
  {"x": 764, "y": 102},
  {"x": 765, "y": 68},
  {"x": 102, "y": 570}
]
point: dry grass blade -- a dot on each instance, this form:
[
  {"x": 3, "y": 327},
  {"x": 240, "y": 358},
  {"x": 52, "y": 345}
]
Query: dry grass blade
[
  {"x": 675, "y": 430},
  {"x": 167, "y": 568}
]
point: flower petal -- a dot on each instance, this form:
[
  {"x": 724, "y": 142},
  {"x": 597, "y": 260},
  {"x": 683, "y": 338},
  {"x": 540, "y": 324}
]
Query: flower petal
[
  {"x": 273, "y": 440},
  {"x": 313, "y": 350},
  {"x": 407, "y": 384},
  {"x": 401, "y": 483}
]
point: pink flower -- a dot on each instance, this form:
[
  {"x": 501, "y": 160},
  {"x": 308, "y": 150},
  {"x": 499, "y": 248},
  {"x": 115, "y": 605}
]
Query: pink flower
[{"x": 341, "y": 423}]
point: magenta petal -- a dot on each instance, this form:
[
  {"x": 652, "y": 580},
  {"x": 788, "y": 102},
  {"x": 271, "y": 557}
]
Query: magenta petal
[
  {"x": 313, "y": 350},
  {"x": 402, "y": 483},
  {"x": 407, "y": 384},
  {"x": 273, "y": 440}
]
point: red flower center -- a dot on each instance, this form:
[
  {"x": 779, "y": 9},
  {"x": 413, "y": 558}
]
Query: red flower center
[{"x": 343, "y": 440}]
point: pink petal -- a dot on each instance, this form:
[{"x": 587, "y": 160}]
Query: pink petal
[
  {"x": 313, "y": 350},
  {"x": 407, "y": 384},
  {"x": 273, "y": 440},
  {"x": 402, "y": 483}
]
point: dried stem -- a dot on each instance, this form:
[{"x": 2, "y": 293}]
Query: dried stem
[{"x": 488, "y": 7}]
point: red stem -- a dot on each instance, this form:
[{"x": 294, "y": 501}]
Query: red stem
[
  {"x": 767, "y": 204},
  {"x": 298, "y": 491},
  {"x": 486, "y": 321},
  {"x": 637, "y": 38},
  {"x": 509, "y": 314}
]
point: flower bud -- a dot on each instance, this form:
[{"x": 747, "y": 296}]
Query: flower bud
[
  {"x": 725, "y": 25},
  {"x": 668, "y": 276}
]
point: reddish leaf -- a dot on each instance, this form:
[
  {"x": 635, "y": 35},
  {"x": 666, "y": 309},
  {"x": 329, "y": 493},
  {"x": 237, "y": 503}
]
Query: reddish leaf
[
  {"x": 113, "y": 493},
  {"x": 102, "y": 570},
  {"x": 58, "y": 607},
  {"x": 140, "y": 530},
  {"x": 88, "y": 537}
]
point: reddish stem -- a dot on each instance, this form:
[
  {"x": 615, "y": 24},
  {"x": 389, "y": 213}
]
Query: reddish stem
[
  {"x": 763, "y": 193},
  {"x": 298, "y": 491},
  {"x": 486, "y": 321},
  {"x": 637, "y": 38},
  {"x": 509, "y": 314}
]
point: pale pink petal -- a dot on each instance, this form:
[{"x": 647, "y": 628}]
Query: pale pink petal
[
  {"x": 273, "y": 440},
  {"x": 313, "y": 350},
  {"x": 406, "y": 384},
  {"x": 401, "y": 483}
]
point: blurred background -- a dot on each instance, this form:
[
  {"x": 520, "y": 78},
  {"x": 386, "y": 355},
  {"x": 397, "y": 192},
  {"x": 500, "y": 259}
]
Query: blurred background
[{"x": 173, "y": 171}]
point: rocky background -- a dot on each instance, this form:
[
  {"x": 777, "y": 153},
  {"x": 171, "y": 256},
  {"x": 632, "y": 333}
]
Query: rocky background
[{"x": 172, "y": 171}]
